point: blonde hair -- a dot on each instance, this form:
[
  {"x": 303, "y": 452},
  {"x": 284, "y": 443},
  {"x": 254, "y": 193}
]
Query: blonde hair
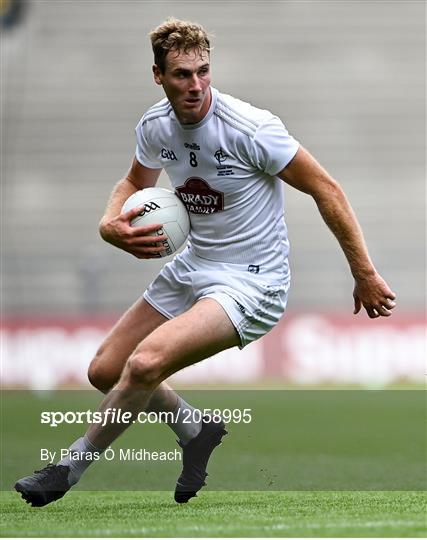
[{"x": 176, "y": 35}]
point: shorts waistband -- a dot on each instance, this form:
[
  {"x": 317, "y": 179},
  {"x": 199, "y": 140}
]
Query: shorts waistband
[{"x": 281, "y": 273}]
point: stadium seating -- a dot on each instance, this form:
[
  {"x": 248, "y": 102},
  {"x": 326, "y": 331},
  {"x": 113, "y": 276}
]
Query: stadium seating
[{"x": 348, "y": 80}]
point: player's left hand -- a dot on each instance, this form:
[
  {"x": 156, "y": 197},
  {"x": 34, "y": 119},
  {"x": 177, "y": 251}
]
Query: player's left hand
[{"x": 375, "y": 295}]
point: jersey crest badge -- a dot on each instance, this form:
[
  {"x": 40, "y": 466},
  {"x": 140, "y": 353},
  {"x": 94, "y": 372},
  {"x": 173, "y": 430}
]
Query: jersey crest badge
[
  {"x": 220, "y": 156},
  {"x": 223, "y": 170}
]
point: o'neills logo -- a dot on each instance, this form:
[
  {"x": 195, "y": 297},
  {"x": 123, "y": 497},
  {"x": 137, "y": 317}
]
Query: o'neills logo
[
  {"x": 148, "y": 207},
  {"x": 199, "y": 197}
]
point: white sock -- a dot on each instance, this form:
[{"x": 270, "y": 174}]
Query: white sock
[
  {"x": 81, "y": 454},
  {"x": 188, "y": 424}
]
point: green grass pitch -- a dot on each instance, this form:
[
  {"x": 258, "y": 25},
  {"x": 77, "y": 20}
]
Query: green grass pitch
[
  {"x": 220, "y": 514},
  {"x": 310, "y": 464}
]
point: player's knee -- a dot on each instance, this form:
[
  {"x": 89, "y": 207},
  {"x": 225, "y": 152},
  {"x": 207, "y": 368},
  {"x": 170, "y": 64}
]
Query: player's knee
[
  {"x": 143, "y": 370},
  {"x": 96, "y": 376},
  {"x": 99, "y": 377}
]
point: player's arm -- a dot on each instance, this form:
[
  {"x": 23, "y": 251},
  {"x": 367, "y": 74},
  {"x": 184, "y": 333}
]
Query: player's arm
[
  {"x": 305, "y": 174},
  {"x": 115, "y": 228}
]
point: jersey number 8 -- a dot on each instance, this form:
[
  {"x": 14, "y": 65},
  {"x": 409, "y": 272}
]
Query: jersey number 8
[{"x": 193, "y": 160}]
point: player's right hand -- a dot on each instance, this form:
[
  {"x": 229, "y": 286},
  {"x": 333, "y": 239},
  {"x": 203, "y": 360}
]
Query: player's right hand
[{"x": 141, "y": 242}]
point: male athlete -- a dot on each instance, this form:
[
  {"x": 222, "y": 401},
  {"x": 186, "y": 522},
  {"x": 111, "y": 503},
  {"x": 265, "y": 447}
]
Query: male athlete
[{"x": 227, "y": 160}]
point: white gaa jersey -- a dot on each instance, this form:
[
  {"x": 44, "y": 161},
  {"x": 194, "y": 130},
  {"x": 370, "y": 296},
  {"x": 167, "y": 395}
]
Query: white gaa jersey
[{"x": 223, "y": 169}]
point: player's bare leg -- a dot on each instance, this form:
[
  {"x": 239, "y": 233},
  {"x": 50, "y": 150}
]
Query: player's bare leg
[
  {"x": 107, "y": 366},
  {"x": 133, "y": 327},
  {"x": 201, "y": 332}
]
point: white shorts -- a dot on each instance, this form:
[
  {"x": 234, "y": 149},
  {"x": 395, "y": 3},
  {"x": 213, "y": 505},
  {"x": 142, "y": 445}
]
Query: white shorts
[{"x": 254, "y": 302}]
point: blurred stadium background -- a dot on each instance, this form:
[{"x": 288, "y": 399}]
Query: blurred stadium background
[{"x": 348, "y": 80}]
